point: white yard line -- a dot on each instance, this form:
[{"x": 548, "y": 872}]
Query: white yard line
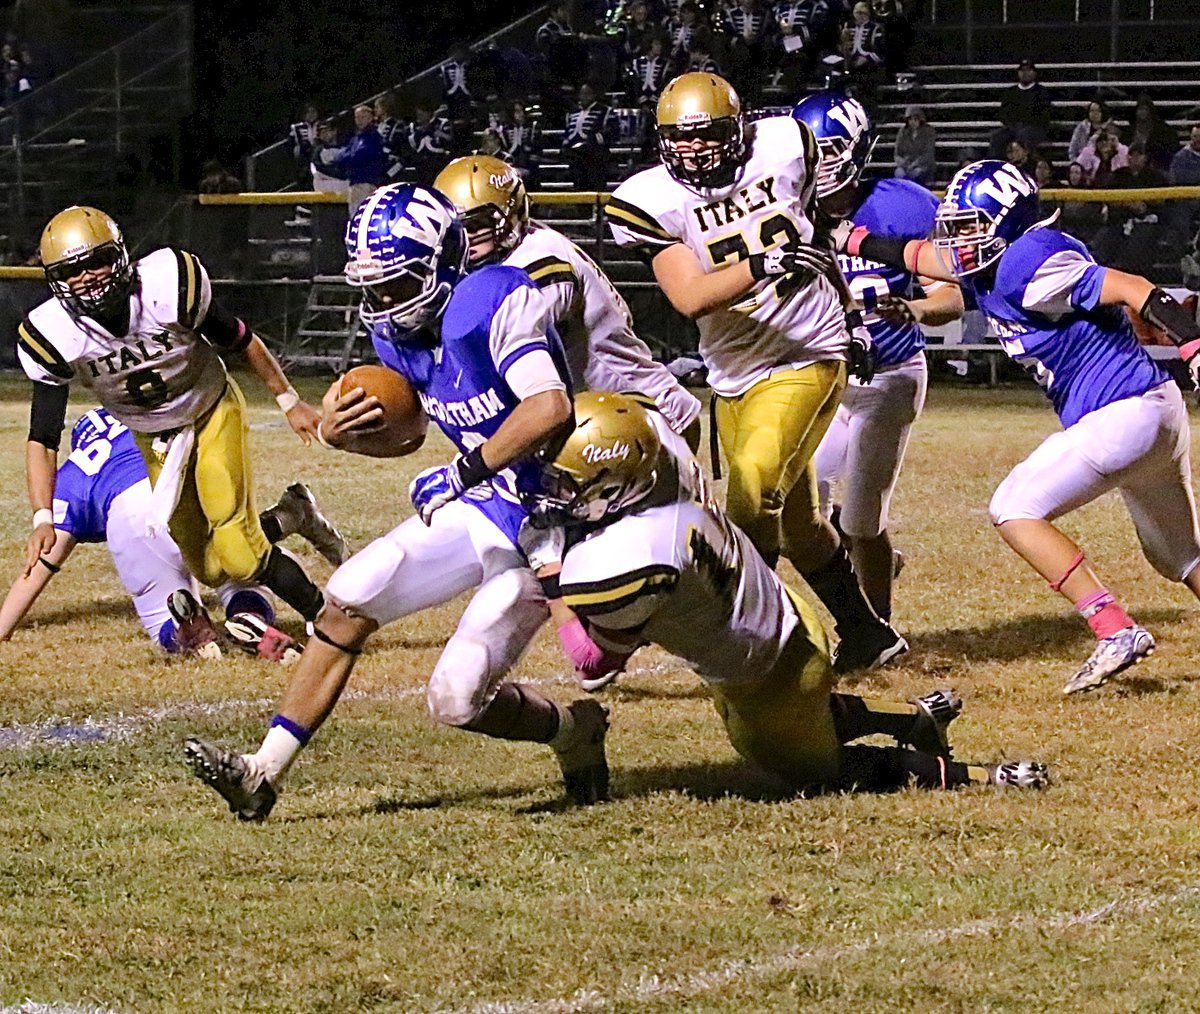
[{"x": 649, "y": 987}]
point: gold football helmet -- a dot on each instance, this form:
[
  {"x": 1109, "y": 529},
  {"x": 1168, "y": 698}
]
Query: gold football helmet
[
  {"x": 605, "y": 465},
  {"x": 86, "y": 262},
  {"x": 490, "y": 197},
  {"x": 701, "y": 132}
]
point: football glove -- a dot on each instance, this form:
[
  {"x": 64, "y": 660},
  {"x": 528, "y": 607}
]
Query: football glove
[
  {"x": 541, "y": 546},
  {"x": 435, "y": 487},
  {"x": 861, "y": 350},
  {"x": 798, "y": 258}
]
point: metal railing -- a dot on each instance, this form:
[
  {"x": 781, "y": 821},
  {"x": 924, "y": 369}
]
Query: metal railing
[{"x": 272, "y": 168}]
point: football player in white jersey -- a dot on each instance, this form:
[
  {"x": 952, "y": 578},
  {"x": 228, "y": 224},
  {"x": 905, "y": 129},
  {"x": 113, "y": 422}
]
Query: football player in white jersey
[
  {"x": 592, "y": 319},
  {"x": 146, "y": 338},
  {"x": 673, "y": 570},
  {"x": 725, "y": 223}
]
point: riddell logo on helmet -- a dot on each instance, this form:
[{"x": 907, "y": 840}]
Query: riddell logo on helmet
[{"x": 593, "y": 454}]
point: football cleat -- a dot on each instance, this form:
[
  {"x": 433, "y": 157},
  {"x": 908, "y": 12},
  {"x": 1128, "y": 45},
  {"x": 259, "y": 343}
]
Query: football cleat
[
  {"x": 249, "y": 796},
  {"x": 868, "y": 647},
  {"x": 897, "y": 563},
  {"x": 1111, "y": 656},
  {"x": 938, "y": 709},
  {"x": 582, "y": 759},
  {"x": 255, "y": 636},
  {"x": 1020, "y": 774},
  {"x": 298, "y": 514},
  {"x": 194, "y": 628}
]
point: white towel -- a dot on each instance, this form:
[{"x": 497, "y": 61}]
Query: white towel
[{"x": 165, "y": 496}]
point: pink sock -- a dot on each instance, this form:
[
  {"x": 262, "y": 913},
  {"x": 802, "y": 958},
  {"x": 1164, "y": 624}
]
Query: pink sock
[{"x": 1103, "y": 614}]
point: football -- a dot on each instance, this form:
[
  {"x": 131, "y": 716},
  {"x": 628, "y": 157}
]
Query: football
[{"x": 406, "y": 420}]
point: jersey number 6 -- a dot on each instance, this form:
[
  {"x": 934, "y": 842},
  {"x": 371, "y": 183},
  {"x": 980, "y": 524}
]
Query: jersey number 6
[{"x": 147, "y": 389}]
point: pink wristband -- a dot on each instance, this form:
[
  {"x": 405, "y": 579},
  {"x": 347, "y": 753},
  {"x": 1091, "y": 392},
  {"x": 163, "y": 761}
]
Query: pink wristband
[
  {"x": 857, "y": 235},
  {"x": 585, "y": 654},
  {"x": 1189, "y": 349}
]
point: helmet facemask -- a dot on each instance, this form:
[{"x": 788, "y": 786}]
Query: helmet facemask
[
  {"x": 711, "y": 167},
  {"x": 504, "y": 227},
  {"x": 406, "y": 295},
  {"x": 966, "y": 240},
  {"x": 103, "y": 294}
]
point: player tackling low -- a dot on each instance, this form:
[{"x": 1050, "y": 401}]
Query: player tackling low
[
  {"x": 1062, "y": 316},
  {"x": 642, "y": 567}
]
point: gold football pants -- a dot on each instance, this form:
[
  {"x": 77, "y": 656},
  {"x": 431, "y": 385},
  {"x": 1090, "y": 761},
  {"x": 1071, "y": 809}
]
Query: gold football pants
[
  {"x": 215, "y": 523},
  {"x": 783, "y": 722},
  {"x": 770, "y": 434}
]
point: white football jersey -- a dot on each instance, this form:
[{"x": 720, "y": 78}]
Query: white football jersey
[
  {"x": 595, "y": 325},
  {"x": 161, "y": 374},
  {"x": 778, "y": 324},
  {"x": 686, "y": 578}
]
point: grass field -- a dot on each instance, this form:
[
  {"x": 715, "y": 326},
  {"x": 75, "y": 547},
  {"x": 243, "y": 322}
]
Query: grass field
[{"x": 411, "y": 868}]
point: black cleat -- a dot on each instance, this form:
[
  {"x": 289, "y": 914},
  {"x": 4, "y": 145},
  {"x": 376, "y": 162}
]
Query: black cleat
[
  {"x": 929, "y": 729},
  {"x": 868, "y": 647},
  {"x": 250, "y": 797},
  {"x": 297, "y": 513},
  {"x": 583, "y": 762}
]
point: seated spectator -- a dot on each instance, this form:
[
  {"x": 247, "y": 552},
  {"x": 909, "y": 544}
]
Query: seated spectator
[
  {"x": 216, "y": 179},
  {"x": 1044, "y": 174},
  {"x": 431, "y": 140},
  {"x": 635, "y": 31},
  {"x": 1104, "y": 156},
  {"x": 1153, "y": 132},
  {"x": 681, "y": 29},
  {"x": 586, "y": 139},
  {"x": 700, "y": 58},
  {"x": 1129, "y": 239},
  {"x": 487, "y": 74},
  {"x": 916, "y": 148},
  {"x": 861, "y": 47},
  {"x": 303, "y": 135},
  {"x": 650, "y": 72},
  {"x": 1185, "y": 172},
  {"x": 1023, "y": 156},
  {"x": 523, "y": 144},
  {"x": 1082, "y": 219},
  {"x": 802, "y": 31},
  {"x": 1025, "y": 111},
  {"x": 394, "y": 132},
  {"x": 37, "y": 71},
  {"x": 1098, "y": 118},
  {"x": 491, "y": 143},
  {"x": 456, "y": 96},
  {"x": 362, "y": 161},
  {"x": 563, "y": 55},
  {"x": 747, "y": 29}
]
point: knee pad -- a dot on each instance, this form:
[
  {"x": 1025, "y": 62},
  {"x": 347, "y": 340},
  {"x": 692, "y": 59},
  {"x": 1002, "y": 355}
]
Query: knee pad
[{"x": 458, "y": 689}]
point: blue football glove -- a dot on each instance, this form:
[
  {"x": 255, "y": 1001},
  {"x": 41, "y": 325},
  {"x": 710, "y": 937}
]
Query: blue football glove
[{"x": 436, "y": 487}]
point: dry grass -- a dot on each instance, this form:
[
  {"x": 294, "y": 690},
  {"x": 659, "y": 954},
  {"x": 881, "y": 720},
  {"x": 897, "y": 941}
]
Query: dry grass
[{"x": 413, "y": 868}]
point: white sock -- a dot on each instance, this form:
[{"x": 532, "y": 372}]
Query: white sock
[
  {"x": 275, "y": 755},
  {"x": 566, "y": 727}
]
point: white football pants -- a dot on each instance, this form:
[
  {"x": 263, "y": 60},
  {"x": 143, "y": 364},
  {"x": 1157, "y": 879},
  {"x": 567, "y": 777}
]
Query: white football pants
[
  {"x": 863, "y": 448},
  {"x": 1141, "y": 446},
  {"x": 414, "y": 567}
]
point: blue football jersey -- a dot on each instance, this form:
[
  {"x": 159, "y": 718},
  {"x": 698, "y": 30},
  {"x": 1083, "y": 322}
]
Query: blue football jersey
[
  {"x": 1044, "y": 306},
  {"x": 904, "y": 210},
  {"x": 104, "y": 462},
  {"x": 461, "y": 382}
]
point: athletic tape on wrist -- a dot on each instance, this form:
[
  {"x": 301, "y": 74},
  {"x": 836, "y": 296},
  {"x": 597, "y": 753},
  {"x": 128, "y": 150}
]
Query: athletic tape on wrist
[
  {"x": 43, "y": 516},
  {"x": 288, "y": 400}
]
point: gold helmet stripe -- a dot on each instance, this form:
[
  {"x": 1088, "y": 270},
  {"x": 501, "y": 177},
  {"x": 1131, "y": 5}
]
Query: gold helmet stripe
[
  {"x": 595, "y": 598},
  {"x": 42, "y": 351},
  {"x": 189, "y": 287},
  {"x": 637, "y": 219}
]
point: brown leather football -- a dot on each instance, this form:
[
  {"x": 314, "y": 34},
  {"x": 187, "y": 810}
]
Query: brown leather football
[{"x": 406, "y": 420}]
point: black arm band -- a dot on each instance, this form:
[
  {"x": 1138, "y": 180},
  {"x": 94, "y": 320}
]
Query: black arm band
[
  {"x": 224, "y": 330},
  {"x": 48, "y": 414},
  {"x": 551, "y": 587},
  {"x": 1163, "y": 310},
  {"x": 885, "y": 249},
  {"x": 471, "y": 468},
  {"x": 54, "y": 568}
]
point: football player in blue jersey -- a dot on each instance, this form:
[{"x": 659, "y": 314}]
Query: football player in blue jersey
[
  {"x": 103, "y": 494},
  {"x": 489, "y": 369},
  {"x": 864, "y": 446},
  {"x": 1063, "y": 317}
]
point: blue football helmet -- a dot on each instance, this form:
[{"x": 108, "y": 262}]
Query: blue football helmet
[
  {"x": 843, "y": 131},
  {"x": 407, "y": 251},
  {"x": 91, "y": 426},
  {"x": 987, "y": 207}
]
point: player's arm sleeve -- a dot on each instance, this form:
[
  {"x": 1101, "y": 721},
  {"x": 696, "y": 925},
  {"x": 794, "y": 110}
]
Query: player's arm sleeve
[
  {"x": 224, "y": 330},
  {"x": 622, "y": 602},
  {"x": 48, "y": 414},
  {"x": 637, "y": 229},
  {"x": 557, "y": 282},
  {"x": 520, "y": 346},
  {"x": 1066, "y": 280},
  {"x": 39, "y": 358},
  {"x": 195, "y": 290}
]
